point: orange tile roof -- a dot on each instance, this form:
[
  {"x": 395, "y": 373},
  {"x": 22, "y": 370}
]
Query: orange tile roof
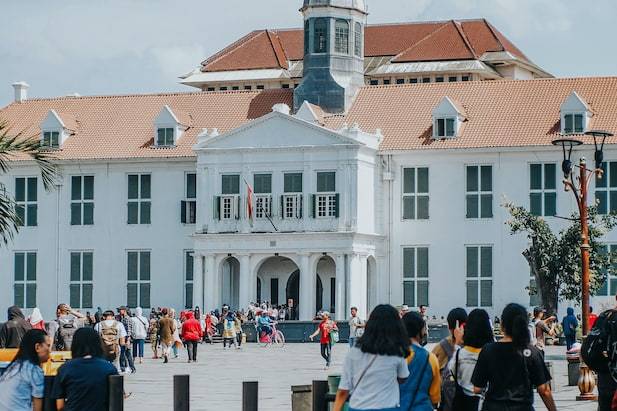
[
  {"x": 503, "y": 113},
  {"x": 422, "y": 41},
  {"x": 110, "y": 127}
]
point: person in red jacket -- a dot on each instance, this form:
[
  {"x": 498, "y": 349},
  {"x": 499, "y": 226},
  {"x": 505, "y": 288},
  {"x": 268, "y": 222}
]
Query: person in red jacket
[{"x": 191, "y": 335}]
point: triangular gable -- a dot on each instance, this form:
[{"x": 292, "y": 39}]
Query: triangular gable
[
  {"x": 53, "y": 121},
  {"x": 449, "y": 107},
  {"x": 276, "y": 130},
  {"x": 575, "y": 103},
  {"x": 311, "y": 113}
]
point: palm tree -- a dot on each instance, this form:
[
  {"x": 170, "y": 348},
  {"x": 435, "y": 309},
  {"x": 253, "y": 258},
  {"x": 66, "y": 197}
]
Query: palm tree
[{"x": 19, "y": 147}]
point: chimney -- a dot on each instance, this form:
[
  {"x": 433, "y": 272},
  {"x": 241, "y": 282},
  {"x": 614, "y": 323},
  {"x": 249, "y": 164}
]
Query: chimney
[{"x": 21, "y": 91}]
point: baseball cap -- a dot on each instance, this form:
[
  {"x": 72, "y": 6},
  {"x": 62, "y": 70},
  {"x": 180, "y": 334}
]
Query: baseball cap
[{"x": 538, "y": 310}]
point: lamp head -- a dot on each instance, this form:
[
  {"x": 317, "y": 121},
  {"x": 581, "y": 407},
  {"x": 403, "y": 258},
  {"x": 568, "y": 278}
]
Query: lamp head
[
  {"x": 567, "y": 144},
  {"x": 599, "y": 137}
]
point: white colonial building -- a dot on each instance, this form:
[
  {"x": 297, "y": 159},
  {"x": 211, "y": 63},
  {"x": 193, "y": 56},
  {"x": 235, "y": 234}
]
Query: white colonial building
[{"x": 392, "y": 196}]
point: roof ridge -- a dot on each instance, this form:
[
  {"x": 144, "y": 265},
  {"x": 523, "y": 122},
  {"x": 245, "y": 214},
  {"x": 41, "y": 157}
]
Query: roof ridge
[
  {"x": 230, "y": 48},
  {"x": 461, "y": 32},
  {"x": 282, "y": 60},
  {"x": 490, "y": 28}
]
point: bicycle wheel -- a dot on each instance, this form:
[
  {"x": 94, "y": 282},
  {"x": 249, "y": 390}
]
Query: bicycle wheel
[{"x": 279, "y": 339}]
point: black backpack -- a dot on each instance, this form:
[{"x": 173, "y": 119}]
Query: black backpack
[{"x": 598, "y": 350}]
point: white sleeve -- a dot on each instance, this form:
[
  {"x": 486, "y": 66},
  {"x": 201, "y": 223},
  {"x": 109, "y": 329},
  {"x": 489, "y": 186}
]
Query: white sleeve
[
  {"x": 347, "y": 375},
  {"x": 121, "y": 329},
  {"x": 402, "y": 369}
]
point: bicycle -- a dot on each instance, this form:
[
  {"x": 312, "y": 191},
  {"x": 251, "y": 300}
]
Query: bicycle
[{"x": 275, "y": 338}]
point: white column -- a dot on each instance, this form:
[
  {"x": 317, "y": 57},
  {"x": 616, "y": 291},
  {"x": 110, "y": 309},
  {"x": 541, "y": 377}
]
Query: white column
[
  {"x": 357, "y": 283},
  {"x": 246, "y": 284},
  {"x": 308, "y": 281},
  {"x": 211, "y": 286},
  {"x": 340, "y": 283},
  {"x": 198, "y": 280}
]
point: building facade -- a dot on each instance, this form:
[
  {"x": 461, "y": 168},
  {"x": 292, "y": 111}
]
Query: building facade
[{"x": 392, "y": 195}]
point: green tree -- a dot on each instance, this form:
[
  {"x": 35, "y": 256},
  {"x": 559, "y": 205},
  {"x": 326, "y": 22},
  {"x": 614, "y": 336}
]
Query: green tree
[
  {"x": 15, "y": 147},
  {"x": 555, "y": 258}
]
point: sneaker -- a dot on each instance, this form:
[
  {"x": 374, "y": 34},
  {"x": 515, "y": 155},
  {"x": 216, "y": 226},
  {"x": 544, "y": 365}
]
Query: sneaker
[{"x": 165, "y": 360}]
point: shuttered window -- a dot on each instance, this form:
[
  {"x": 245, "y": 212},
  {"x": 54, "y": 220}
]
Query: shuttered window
[
  {"x": 415, "y": 193},
  {"x": 26, "y": 206},
  {"x": 188, "y": 279},
  {"x": 262, "y": 183},
  {"x": 415, "y": 276},
  {"x": 543, "y": 189},
  {"x": 479, "y": 197},
  {"x": 573, "y": 124},
  {"x": 606, "y": 188},
  {"x": 479, "y": 276},
  {"x": 139, "y": 199},
  {"x": 230, "y": 184},
  {"x": 81, "y": 284},
  {"x": 293, "y": 182},
  {"x": 24, "y": 286},
  {"x": 610, "y": 285},
  {"x": 82, "y": 200},
  {"x": 138, "y": 276}
]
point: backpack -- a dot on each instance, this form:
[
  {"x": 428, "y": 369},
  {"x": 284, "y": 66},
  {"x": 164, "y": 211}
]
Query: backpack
[
  {"x": 448, "y": 384},
  {"x": 109, "y": 334},
  {"x": 597, "y": 350},
  {"x": 65, "y": 333}
]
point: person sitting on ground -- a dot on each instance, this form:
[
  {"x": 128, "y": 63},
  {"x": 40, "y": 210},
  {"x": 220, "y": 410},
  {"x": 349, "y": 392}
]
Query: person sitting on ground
[
  {"x": 421, "y": 392},
  {"x": 12, "y": 331},
  {"x": 478, "y": 332},
  {"x": 82, "y": 382},
  {"x": 62, "y": 329},
  {"x": 22, "y": 385},
  {"x": 511, "y": 367},
  {"x": 375, "y": 366}
]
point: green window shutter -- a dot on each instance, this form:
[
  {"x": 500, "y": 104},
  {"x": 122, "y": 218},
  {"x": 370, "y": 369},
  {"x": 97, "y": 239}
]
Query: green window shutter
[
  {"x": 74, "y": 292},
  {"x": 32, "y": 215},
  {"x": 76, "y": 188},
  {"x": 86, "y": 300},
  {"x": 88, "y": 266},
  {"x": 409, "y": 263},
  {"x": 20, "y": 189},
  {"x": 188, "y": 296},
  {"x": 133, "y": 186},
  {"x": 20, "y": 267},
  {"x": 409, "y": 293},
  {"x": 578, "y": 123},
  {"x": 612, "y": 173},
  {"x": 189, "y": 267},
  {"x": 422, "y": 271},
  {"x": 535, "y": 176},
  {"x": 423, "y": 180},
  {"x": 550, "y": 176},
  {"x": 314, "y": 205},
  {"x": 144, "y": 266},
  {"x": 132, "y": 212},
  {"x": 409, "y": 208},
  {"x": 472, "y": 179},
  {"x": 217, "y": 208},
  {"x": 337, "y": 207},
  {"x": 472, "y": 206},
  {"x": 146, "y": 180},
  {"x": 19, "y": 295},
  {"x": 550, "y": 204},
  {"x": 409, "y": 180},
  {"x": 301, "y": 206},
  {"x": 191, "y": 185},
  {"x": 144, "y": 214},
  {"x": 88, "y": 213},
  {"x": 422, "y": 292},
  {"x": 569, "y": 126},
  {"x": 75, "y": 266},
  {"x": 89, "y": 188},
  {"x": 486, "y": 180},
  {"x": 31, "y": 266},
  {"x": 160, "y": 140},
  {"x": 450, "y": 127},
  {"x": 602, "y": 181},
  {"x": 32, "y": 189},
  {"x": 183, "y": 212},
  {"x": 486, "y": 261},
  {"x": 472, "y": 293},
  {"x": 486, "y": 293},
  {"x": 30, "y": 295},
  {"x": 144, "y": 295},
  {"x": 131, "y": 295},
  {"x": 602, "y": 200},
  {"x": 535, "y": 204},
  {"x": 486, "y": 206},
  {"x": 76, "y": 214},
  {"x": 282, "y": 207},
  {"x": 132, "y": 262},
  {"x": 423, "y": 208},
  {"x": 472, "y": 261}
]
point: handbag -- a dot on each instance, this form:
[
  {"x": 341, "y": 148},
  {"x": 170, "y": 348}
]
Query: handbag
[{"x": 334, "y": 337}]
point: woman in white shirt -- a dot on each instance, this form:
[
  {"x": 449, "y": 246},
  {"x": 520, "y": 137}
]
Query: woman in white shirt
[
  {"x": 375, "y": 367},
  {"x": 478, "y": 333}
]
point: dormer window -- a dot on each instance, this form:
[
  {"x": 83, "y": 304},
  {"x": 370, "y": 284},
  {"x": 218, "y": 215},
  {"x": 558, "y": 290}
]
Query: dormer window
[
  {"x": 165, "y": 137},
  {"x": 448, "y": 118},
  {"x": 51, "y": 139},
  {"x": 445, "y": 127},
  {"x": 575, "y": 115}
]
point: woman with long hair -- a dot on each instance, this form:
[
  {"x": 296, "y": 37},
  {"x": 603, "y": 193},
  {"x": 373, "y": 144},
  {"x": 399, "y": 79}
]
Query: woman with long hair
[
  {"x": 82, "y": 383},
  {"x": 478, "y": 332},
  {"x": 23, "y": 384},
  {"x": 511, "y": 367},
  {"x": 422, "y": 391},
  {"x": 375, "y": 367}
]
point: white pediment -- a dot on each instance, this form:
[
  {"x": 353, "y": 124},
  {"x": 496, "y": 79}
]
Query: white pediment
[
  {"x": 52, "y": 122},
  {"x": 575, "y": 103},
  {"x": 275, "y": 130}
]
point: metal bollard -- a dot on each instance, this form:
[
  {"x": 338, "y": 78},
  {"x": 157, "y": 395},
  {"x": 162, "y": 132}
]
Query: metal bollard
[
  {"x": 249, "y": 395},
  {"x": 116, "y": 393},
  {"x": 182, "y": 397},
  {"x": 320, "y": 389},
  {"x": 49, "y": 404}
]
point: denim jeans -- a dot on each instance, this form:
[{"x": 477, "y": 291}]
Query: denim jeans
[
  {"x": 352, "y": 342},
  {"x": 126, "y": 358},
  {"x": 138, "y": 348}
]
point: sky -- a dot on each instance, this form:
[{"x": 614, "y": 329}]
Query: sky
[{"x": 142, "y": 46}]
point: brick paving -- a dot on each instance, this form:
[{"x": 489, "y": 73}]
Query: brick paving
[{"x": 216, "y": 380}]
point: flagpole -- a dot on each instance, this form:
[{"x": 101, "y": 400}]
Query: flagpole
[{"x": 266, "y": 214}]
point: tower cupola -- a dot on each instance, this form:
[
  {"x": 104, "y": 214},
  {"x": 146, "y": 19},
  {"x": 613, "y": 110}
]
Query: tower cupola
[{"x": 333, "y": 53}]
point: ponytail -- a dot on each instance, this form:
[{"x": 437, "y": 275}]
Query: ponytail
[{"x": 515, "y": 324}]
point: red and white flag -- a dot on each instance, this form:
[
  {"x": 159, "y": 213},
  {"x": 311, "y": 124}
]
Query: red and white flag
[{"x": 249, "y": 203}]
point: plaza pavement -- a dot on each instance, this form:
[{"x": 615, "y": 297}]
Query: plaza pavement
[{"x": 216, "y": 380}]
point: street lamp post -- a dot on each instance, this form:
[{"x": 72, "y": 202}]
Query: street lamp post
[{"x": 586, "y": 382}]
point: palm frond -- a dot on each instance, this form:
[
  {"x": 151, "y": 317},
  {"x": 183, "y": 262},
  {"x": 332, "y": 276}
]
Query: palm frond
[
  {"x": 12, "y": 146},
  {"x": 8, "y": 218}
]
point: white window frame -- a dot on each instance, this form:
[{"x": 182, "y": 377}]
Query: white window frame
[
  {"x": 167, "y": 142},
  {"x": 607, "y": 189},
  {"x": 479, "y": 279},
  {"x": 341, "y": 37},
  {"x": 583, "y": 115},
  {"x": 263, "y": 206},
  {"x": 190, "y": 202},
  {"x": 81, "y": 282},
  {"x": 229, "y": 207},
  {"x": 138, "y": 281},
  {"x": 82, "y": 201},
  {"x": 415, "y": 280},
  {"x": 47, "y": 139},
  {"x": 415, "y": 195},
  {"x": 325, "y": 204},
  {"x": 479, "y": 193},
  {"x": 139, "y": 200},
  {"x": 292, "y": 206},
  {"x": 543, "y": 191},
  {"x": 445, "y": 120},
  {"x": 27, "y": 202},
  {"x": 25, "y": 282}
]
